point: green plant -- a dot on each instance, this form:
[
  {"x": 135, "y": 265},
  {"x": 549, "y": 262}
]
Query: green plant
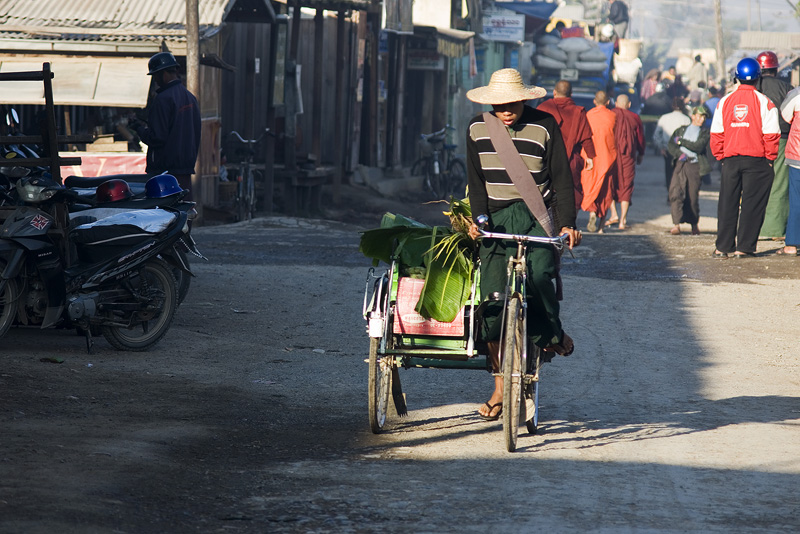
[{"x": 445, "y": 253}]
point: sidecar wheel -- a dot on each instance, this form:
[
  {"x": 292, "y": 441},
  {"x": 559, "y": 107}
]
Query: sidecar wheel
[{"x": 150, "y": 323}]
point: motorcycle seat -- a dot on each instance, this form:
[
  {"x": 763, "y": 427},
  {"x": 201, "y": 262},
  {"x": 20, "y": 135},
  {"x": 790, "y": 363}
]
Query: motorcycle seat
[
  {"x": 105, "y": 238},
  {"x": 94, "y": 181}
]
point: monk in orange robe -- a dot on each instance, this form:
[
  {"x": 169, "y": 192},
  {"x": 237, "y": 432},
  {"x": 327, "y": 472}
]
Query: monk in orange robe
[
  {"x": 596, "y": 182},
  {"x": 575, "y": 131}
]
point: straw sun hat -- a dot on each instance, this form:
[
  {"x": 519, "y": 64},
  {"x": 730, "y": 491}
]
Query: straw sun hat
[{"x": 505, "y": 86}]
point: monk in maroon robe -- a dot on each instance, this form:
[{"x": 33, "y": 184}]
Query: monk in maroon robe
[
  {"x": 629, "y": 137},
  {"x": 575, "y": 131}
]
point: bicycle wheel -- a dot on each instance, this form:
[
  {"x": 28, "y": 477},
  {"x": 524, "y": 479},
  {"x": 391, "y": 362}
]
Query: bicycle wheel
[
  {"x": 531, "y": 392},
  {"x": 512, "y": 372},
  {"x": 438, "y": 180},
  {"x": 419, "y": 167},
  {"x": 457, "y": 179},
  {"x": 251, "y": 195},
  {"x": 240, "y": 197},
  {"x": 380, "y": 382}
]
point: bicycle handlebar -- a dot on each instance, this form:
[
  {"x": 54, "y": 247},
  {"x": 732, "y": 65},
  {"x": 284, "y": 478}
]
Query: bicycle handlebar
[
  {"x": 557, "y": 241},
  {"x": 436, "y": 135},
  {"x": 251, "y": 141}
]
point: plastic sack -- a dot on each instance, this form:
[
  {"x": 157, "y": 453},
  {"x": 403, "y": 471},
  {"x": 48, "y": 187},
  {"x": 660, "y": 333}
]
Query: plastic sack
[
  {"x": 547, "y": 39},
  {"x": 627, "y": 71},
  {"x": 575, "y": 44},
  {"x": 591, "y": 66},
  {"x": 549, "y": 63},
  {"x": 554, "y": 52},
  {"x": 594, "y": 54}
]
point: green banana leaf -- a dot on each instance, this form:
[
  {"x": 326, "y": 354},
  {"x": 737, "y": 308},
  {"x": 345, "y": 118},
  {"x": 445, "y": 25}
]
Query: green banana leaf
[{"x": 445, "y": 255}]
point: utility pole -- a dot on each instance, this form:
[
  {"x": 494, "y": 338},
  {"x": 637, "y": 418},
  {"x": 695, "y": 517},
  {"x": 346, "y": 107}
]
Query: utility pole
[
  {"x": 193, "y": 48},
  {"x": 721, "y": 74}
]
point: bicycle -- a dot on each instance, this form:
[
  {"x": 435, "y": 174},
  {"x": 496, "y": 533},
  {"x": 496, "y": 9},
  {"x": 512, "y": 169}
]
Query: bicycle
[
  {"x": 246, "y": 185},
  {"x": 445, "y": 174},
  {"x": 514, "y": 334}
]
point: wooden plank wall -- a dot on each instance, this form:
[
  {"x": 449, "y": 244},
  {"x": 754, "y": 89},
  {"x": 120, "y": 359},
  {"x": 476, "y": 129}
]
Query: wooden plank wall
[{"x": 244, "y": 93}]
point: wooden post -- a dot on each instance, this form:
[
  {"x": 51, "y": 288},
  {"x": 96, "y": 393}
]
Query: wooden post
[
  {"x": 193, "y": 48},
  {"x": 50, "y": 133},
  {"x": 400, "y": 97},
  {"x": 721, "y": 74},
  {"x": 338, "y": 108},
  {"x": 316, "y": 113},
  {"x": 290, "y": 151},
  {"x": 373, "y": 21},
  {"x": 269, "y": 147}
]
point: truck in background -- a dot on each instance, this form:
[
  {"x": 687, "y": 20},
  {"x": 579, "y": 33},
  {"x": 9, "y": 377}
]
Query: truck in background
[{"x": 590, "y": 64}]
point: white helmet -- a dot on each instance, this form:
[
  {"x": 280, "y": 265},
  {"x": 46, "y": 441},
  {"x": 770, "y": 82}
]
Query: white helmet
[{"x": 607, "y": 30}]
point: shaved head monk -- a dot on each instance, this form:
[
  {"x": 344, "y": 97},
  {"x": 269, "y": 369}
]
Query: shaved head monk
[
  {"x": 575, "y": 130},
  {"x": 629, "y": 135},
  {"x": 596, "y": 181}
]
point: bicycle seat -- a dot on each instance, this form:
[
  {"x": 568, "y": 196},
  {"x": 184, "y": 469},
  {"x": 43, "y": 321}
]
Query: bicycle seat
[{"x": 450, "y": 147}]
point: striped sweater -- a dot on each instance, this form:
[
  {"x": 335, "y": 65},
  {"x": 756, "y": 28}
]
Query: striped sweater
[{"x": 538, "y": 139}]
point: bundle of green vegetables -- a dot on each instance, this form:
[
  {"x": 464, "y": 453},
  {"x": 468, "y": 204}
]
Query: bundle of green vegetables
[{"x": 442, "y": 255}]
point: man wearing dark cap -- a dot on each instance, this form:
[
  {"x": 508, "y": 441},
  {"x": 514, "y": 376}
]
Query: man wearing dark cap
[{"x": 172, "y": 132}]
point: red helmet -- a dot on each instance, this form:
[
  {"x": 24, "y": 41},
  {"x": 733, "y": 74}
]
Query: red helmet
[
  {"x": 113, "y": 190},
  {"x": 768, "y": 60}
]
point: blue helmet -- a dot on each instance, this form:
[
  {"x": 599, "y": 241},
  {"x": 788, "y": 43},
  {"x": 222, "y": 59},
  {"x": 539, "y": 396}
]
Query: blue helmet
[
  {"x": 162, "y": 186},
  {"x": 747, "y": 69}
]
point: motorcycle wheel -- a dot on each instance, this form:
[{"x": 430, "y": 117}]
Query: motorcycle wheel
[
  {"x": 150, "y": 323},
  {"x": 8, "y": 298}
]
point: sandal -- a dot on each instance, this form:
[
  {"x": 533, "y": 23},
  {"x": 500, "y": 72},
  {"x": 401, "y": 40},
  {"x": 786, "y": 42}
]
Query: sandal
[
  {"x": 782, "y": 252},
  {"x": 612, "y": 221},
  {"x": 739, "y": 255},
  {"x": 565, "y": 348},
  {"x": 719, "y": 255},
  {"x": 491, "y": 407}
]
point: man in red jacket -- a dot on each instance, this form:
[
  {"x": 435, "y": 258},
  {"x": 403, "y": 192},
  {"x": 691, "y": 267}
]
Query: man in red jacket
[
  {"x": 744, "y": 136},
  {"x": 575, "y": 130}
]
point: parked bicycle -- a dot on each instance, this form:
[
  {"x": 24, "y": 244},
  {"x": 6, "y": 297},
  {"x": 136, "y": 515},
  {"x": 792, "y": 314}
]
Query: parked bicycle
[
  {"x": 445, "y": 174},
  {"x": 245, "y": 177}
]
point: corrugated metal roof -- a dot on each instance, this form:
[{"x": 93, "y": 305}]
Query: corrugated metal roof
[
  {"x": 115, "y": 19},
  {"x": 776, "y": 41}
]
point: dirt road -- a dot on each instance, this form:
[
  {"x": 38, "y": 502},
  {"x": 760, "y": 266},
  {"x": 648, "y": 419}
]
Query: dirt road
[{"x": 678, "y": 412}]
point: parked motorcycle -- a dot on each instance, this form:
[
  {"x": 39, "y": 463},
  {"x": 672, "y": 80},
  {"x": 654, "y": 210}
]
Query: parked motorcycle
[
  {"x": 103, "y": 196},
  {"x": 114, "y": 275}
]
